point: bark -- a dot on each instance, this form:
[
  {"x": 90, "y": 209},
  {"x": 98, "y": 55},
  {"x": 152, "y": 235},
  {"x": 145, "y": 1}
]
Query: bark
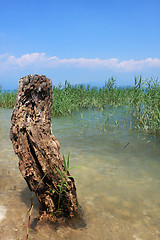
[{"x": 37, "y": 148}]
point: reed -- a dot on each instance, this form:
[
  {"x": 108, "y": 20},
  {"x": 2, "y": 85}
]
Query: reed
[
  {"x": 7, "y": 99},
  {"x": 143, "y": 100}
]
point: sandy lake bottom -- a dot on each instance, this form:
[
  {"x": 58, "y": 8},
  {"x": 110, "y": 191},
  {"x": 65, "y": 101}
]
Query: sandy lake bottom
[{"x": 118, "y": 187}]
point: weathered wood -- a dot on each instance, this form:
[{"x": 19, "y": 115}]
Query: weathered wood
[{"x": 38, "y": 149}]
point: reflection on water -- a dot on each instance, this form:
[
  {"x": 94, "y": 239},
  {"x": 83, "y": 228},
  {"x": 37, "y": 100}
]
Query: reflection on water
[{"x": 117, "y": 185}]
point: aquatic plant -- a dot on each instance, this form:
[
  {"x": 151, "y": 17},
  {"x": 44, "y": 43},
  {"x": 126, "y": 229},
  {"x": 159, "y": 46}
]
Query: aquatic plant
[
  {"x": 8, "y": 99},
  {"x": 63, "y": 186},
  {"x": 143, "y": 101}
]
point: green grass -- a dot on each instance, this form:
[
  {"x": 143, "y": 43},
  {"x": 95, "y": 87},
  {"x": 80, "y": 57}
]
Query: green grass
[
  {"x": 143, "y": 100},
  {"x": 8, "y": 99}
]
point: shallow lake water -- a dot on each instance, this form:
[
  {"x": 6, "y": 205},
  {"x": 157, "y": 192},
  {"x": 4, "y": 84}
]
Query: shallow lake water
[{"x": 118, "y": 183}]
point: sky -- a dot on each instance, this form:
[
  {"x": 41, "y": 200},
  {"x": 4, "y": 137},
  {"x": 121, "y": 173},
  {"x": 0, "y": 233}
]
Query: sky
[{"x": 85, "y": 41}]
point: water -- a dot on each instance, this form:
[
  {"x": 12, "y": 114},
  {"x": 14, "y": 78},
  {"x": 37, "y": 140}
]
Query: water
[{"x": 117, "y": 183}]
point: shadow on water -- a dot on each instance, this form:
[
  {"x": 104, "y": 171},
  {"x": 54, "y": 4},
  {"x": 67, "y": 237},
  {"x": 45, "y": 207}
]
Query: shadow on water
[
  {"x": 26, "y": 196},
  {"x": 76, "y": 223}
]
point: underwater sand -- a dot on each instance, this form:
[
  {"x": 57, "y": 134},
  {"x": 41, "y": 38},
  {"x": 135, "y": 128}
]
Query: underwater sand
[{"x": 118, "y": 187}]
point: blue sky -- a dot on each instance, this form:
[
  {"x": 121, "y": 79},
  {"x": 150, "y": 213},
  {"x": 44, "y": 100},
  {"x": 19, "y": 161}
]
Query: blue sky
[{"x": 79, "y": 41}]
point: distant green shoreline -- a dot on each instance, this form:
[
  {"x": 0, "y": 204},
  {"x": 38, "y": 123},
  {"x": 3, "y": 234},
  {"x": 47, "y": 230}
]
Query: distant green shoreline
[{"x": 143, "y": 98}]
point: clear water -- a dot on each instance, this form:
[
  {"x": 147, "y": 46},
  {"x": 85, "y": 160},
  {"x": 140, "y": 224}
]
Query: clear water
[{"x": 118, "y": 183}]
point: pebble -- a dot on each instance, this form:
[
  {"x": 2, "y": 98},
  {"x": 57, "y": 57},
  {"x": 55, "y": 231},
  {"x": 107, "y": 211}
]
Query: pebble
[
  {"x": 3, "y": 211},
  {"x": 137, "y": 238}
]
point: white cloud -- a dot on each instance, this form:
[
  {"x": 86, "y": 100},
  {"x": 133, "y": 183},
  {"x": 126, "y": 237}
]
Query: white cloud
[
  {"x": 41, "y": 60},
  {"x": 26, "y": 59}
]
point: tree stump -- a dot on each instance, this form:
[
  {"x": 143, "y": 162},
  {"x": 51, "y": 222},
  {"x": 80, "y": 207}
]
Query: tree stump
[{"x": 37, "y": 148}]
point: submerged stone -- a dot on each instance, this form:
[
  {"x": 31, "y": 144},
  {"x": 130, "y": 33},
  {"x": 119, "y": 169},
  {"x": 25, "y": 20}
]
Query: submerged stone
[{"x": 3, "y": 211}]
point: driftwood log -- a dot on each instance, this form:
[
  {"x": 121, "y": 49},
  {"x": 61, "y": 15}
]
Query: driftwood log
[{"x": 37, "y": 148}]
